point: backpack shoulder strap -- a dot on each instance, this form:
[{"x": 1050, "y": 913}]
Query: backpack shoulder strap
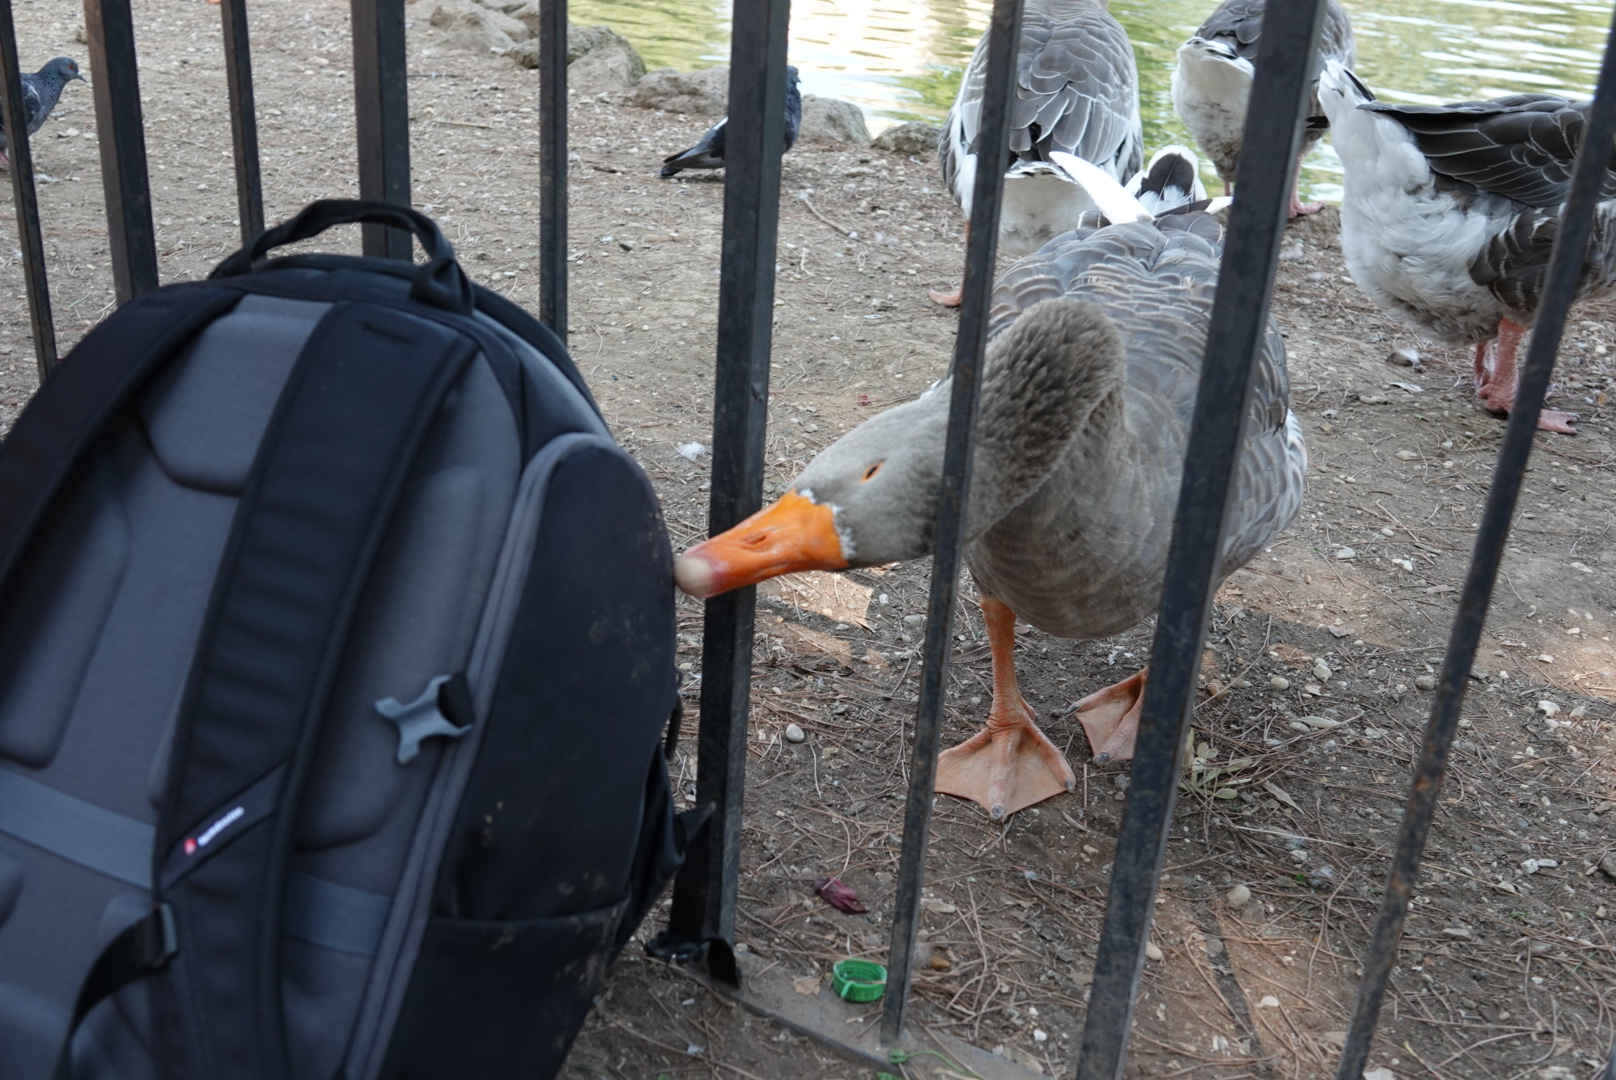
[
  {"x": 72, "y": 407},
  {"x": 350, "y": 422}
]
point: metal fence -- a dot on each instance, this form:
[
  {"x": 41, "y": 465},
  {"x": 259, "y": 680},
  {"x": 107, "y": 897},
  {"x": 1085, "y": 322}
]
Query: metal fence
[{"x": 701, "y": 929}]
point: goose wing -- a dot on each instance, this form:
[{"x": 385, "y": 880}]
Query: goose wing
[
  {"x": 1156, "y": 281},
  {"x": 1237, "y": 24},
  {"x": 1077, "y": 90},
  {"x": 1520, "y": 147}
]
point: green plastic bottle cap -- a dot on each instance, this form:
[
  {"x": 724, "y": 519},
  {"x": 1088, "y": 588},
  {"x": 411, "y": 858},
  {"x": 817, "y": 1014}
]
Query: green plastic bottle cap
[{"x": 859, "y": 980}]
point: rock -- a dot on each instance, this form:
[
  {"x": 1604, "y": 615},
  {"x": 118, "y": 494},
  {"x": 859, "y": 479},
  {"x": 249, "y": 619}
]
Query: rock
[
  {"x": 1153, "y": 951},
  {"x": 914, "y": 619},
  {"x": 1407, "y": 455},
  {"x": 505, "y": 7},
  {"x": 1239, "y": 896},
  {"x": 1279, "y": 682},
  {"x": 583, "y": 40},
  {"x": 1269, "y": 1001},
  {"x": 599, "y": 60},
  {"x": 1425, "y": 682},
  {"x": 1322, "y": 671},
  {"x": 606, "y": 72},
  {"x": 1379, "y": 1074},
  {"x": 916, "y": 137},
  {"x": 1404, "y": 357},
  {"x": 795, "y": 734},
  {"x": 470, "y": 26},
  {"x": 1548, "y": 708},
  {"x": 1346, "y": 553},
  {"x": 700, "y": 93},
  {"x": 833, "y": 120}
]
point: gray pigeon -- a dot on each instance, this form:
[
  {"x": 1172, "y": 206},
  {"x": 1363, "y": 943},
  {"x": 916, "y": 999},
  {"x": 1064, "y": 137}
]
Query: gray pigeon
[
  {"x": 40, "y": 92},
  {"x": 709, "y": 152}
]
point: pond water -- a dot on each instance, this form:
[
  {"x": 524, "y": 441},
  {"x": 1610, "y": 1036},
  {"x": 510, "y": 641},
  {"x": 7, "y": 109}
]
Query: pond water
[{"x": 901, "y": 59}]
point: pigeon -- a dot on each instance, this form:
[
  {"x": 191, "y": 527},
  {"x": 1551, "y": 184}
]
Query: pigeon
[
  {"x": 40, "y": 93},
  {"x": 709, "y": 152}
]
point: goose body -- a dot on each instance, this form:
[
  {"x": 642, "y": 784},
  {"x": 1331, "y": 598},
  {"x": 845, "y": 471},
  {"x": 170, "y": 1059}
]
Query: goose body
[
  {"x": 1212, "y": 82},
  {"x": 1083, "y": 555},
  {"x": 1077, "y": 91},
  {"x": 1450, "y": 213},
  {"x": 1094, "y": 357}
]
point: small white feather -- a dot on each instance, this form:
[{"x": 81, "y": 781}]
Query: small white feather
[{"x": 1109, "y": 196}]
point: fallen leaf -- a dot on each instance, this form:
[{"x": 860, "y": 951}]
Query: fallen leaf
[
  {"x": 936, "y": 906},
  {"x": 1280, "y": 793},
  {"x": 807, "y": 986},
  {"x": 830, "y": 595},
  {"x": 840, "y": 896},
  {"x": 815, "y": 642}
]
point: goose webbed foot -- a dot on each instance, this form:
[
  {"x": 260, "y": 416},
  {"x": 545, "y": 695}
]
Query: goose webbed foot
[
  {"x": 1110, "y": 718},
  {"x": 1498, "y": 377},
  {"x": 1007, "y": 766},
  {"x": 1302, "y": 209}
]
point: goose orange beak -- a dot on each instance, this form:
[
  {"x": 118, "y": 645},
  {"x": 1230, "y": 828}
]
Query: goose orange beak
[{"x": 794, "y": 534}]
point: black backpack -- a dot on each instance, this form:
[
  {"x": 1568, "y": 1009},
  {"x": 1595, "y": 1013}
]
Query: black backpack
[{"x": 336, "y": 655}]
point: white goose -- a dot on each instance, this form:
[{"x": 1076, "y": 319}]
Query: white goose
[
  {"x": 1450, "y": 213},
  {"x": 1212, "y": 82},
  {"x": 1077, "y": 92}
]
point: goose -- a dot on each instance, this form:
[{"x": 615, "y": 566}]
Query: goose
[
  {"x": 1088, "y": 385},
  {"x": 1077, "y": 92},
  {"x": 1450, "y": 212},
  {"x": 1212, "y": 83}
]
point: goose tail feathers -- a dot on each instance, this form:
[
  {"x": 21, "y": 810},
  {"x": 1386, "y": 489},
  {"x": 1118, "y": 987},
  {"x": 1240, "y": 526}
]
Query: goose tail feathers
[
  {"x": 1171, "y": 180},
  {"x": 1109, "y": 197}
]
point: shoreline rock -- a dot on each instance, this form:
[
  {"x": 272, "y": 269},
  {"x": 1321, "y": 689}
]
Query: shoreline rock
[{"x": 916, "y": 138}]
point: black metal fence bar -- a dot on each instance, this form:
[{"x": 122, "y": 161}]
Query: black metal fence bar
[
  {"x": 1239, "y": 319},
  {"x": 243, "y": 119},
  {"x": 381, "y": 109},
  {"x": 1559, "y": 292},
  {"x": 24, "y": 197},
  {"x": 553, "y": 165},
  {"x": 981, "y": 251},
  {"x": 132, "y": 243},
  {"x": 704, "y": 892}
]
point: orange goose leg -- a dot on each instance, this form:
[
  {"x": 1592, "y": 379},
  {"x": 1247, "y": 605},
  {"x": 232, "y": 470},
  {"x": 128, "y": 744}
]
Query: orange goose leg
[
  {"x": 1110, "y": 718},
  {"x": 1497, "y": 378},
  {"x": 952, "y": 299},
  {"x": 1298, "y": 207},
  {"x": 1009, "y": 765}
]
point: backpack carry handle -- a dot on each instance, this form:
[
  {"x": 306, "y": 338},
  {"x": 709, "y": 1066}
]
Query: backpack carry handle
[{"x": 439, "y": 281}]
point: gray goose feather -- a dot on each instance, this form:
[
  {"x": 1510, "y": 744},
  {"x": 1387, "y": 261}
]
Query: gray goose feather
[
  {"x": 1083, "y": 556},
  {"x": 1451, "y": 210},
  {"x": 1212, "y": 82},
  {"x": 1077, "y": 91},
  {"x": 1081, "y": 446}
]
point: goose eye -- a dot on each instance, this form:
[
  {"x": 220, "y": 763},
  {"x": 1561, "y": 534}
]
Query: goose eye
[{"x": 869, "y": 474}]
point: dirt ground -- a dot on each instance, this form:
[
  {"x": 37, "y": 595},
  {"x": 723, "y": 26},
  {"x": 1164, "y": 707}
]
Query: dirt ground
[{"x": 1508, "y": 962}]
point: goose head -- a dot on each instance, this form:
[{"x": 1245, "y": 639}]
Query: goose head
[{"x": 871, "y": 497}]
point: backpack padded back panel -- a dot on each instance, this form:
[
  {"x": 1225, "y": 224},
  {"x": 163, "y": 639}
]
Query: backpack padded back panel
[{"x": 446, "y": 897}]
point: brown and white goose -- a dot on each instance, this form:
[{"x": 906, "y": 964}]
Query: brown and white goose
[
  {"x": 1076, "y": 92},
  {"x": 1212, "y": 83},
  {"x": 1450, "y": 212},
  {"x": 1090, "y": 378}
]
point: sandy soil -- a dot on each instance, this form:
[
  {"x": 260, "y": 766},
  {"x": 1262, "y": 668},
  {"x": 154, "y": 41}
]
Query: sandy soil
[{"x": 1507, "y": 967}]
